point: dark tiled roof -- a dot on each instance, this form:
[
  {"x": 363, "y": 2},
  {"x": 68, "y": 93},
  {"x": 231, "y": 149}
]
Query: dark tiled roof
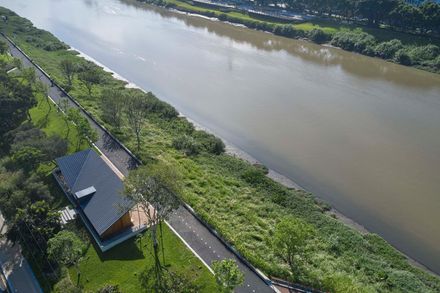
[{"x": 107, "y": 205}]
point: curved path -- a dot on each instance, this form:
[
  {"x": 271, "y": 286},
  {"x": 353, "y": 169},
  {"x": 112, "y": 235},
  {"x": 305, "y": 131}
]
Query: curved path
[{"x": 201, "y": 240}]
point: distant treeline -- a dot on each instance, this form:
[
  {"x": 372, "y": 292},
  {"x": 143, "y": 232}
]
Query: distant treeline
[
  {"x": 422, "y": 55},
  {"x": 424, "y": 18}
]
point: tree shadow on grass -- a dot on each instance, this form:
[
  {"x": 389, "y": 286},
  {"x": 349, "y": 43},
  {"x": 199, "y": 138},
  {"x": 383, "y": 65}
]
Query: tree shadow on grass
[
  {"x": 43, "y": 122},
  {"x": 127, "y": 250}
]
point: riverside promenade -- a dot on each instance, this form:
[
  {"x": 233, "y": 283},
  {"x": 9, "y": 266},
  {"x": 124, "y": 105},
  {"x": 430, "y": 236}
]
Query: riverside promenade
[{"x": 201, "y": 239}]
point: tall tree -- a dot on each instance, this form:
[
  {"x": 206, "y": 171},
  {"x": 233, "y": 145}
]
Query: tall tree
[
  {"x": 90, "y": 76},
  {"x": 82, "y": 126},
  {"x": 112, "y": 105},
  {"x": 3, "y": 47},
  {"x": 155, "y": 189},
  {"x": 63, "y": 105},
  {"x": 43, "y": 89},
  {"x": 66, "y": 248},
  {"x": 227, "y": 275},
  {"x": 29, "y": 75},
  {"x": 29, "y": 136},
  {"x": 136, "y": 110},
  {"x": 68, "y": 69},
  {"x": 26, "y": 158},
  {"x": 16, "y": 99},
  {"x": 35, "y": 225},
  {"x": 289, "y": 240}
]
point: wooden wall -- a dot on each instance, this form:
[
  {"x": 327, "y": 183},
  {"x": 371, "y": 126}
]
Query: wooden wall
[{"x": 123, "y": 223}]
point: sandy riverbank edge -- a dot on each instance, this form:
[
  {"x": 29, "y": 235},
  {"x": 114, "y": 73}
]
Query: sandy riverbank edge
[{"x": 237, "y": 152}]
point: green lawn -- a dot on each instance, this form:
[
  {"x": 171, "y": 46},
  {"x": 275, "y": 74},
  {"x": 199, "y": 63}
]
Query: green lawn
[
  {"x": 47, "y": 117},
  {"x": 123, "y": 264}
]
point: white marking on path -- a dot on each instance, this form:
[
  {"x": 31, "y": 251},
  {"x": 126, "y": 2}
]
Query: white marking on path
[{"x": 190, "y": 248}]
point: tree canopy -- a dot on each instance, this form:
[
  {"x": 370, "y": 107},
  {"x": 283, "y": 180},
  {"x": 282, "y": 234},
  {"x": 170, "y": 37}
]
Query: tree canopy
[
  {"x": 65, "y": 248},
  {"x": 227, "y": 275}
]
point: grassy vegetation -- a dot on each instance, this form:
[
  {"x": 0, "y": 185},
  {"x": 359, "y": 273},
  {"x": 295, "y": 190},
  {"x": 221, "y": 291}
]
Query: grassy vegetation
[
  {"x": 244, "y": 206},
  {"x": 124, "y": 263},
  {"x": 47, "y": 117},
  {"x": 381, "y": 34}
]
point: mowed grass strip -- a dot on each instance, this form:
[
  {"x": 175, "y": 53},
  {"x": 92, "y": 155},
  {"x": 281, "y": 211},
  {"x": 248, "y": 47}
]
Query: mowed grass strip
[{"x": 123, "y": 264}]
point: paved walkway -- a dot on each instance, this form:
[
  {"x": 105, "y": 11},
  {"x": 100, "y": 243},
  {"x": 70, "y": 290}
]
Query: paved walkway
[
  {"x": 14, "y": 266},
  {"x": 199, "y": 238}
]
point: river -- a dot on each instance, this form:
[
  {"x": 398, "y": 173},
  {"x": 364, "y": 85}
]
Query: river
[{"x": 358, "y": 132}]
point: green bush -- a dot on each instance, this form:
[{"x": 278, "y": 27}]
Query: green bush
[
  {"x": 162, "y": 108},
  {"x": 404, "y": 281},
  {"x": 209, "y": 143},
  {"x": 254, "y": 176},
  {"x": 318, "y": 36},
  {"x": 286, "y": 31},
  {"x": 424, "y": 53},
  {"x": 356, "y": 41},
  {"x": 187, "y": 144},
  {"x": 109, "y": 289},
  {"x": 402, "y": 57},
  {"x": 387, "y": 50},
  {"x": 54, "y": 46}
]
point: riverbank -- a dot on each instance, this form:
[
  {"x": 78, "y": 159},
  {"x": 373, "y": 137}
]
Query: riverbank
[
  {"x": 245, "y": 210},
  {"x": 397, "y": 47}
]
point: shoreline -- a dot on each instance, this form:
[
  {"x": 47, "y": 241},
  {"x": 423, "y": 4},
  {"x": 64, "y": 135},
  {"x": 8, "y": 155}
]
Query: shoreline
[
  {"x": 232, "y": 150},
  {"x": 303, "y": 36}
]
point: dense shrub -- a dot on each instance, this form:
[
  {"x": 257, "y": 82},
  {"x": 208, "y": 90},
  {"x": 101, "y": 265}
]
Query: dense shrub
[
  {"x": 287, "y": 30},
  {"x": 402, "y": 57},
  {"x": 354, "y": 41},
  {"x": 54, "y": 46},
  {"x": 209, "y": 143},
  {"x": 261, "y": 167},
  {"x": 187, "y": 144},
  {"x": 109, "y": 289},
  {"x": 162, "y": 108},
  {"x": 222, "y": 17},
  {"x": 254, "y": 176},
  {"x": 318, "y": 36},
  {"x": 424, "y": 53},
  {"x": 404, "y": 281},
  {"x": 387, "y": 50}
]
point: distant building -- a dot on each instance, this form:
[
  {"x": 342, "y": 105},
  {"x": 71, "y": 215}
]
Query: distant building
[
  {"x": 418, "y": 2},
  {"x": 95, "y": 192}
]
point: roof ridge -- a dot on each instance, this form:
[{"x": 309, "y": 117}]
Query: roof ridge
[{"x": 80, "y": 170}]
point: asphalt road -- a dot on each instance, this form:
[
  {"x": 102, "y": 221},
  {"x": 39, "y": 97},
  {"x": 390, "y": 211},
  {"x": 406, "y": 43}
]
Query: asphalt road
[
  {"x": 14, "y": 266},
  {"x": 205, "y": 244}
]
